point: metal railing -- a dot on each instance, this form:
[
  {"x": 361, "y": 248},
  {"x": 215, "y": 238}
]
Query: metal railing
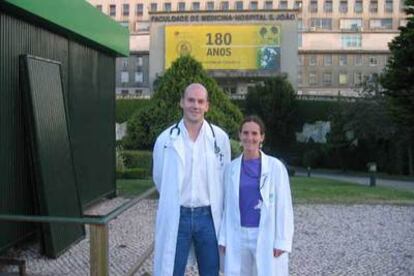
[{"x": 98, "y": 225}]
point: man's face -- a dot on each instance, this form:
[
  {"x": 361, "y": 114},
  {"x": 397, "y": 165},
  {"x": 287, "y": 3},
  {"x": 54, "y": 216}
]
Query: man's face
[{"x": 194, "y": 104}]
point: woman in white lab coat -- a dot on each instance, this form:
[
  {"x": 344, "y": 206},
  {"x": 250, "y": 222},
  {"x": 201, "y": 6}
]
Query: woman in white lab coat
[{"x": 257, "y": 226}]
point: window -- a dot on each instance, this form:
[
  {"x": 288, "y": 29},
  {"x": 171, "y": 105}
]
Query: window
[
  {"x": 253, "y": 5},
  {"x": 297, "y": 5},
  {"x": 210, "y": 6},
  {"x": 283, "y": 5},
  {"x": 402, "y": 5},
  {"x": 313, "y": 6},
  {"x": 225, "y": 5},
  {"x": 99, "y": 7},
  {"x": 238, "y": 5},
  {"x": 358, "y": 78},
  {"x": 343, "y": 6},
  {"x": 372, "y": 61},
  {"x": 321, "y": 23},
  {"x": 299, "y": 80},
  {"x": 313, "y": 60},
  {"x": 167, "y": 7},
  {"x": 373, "y": 6},
  {"x": 351, "y": 41},
  {"x": 382, "y": 23},
  {"x": 140, "y": 9},
  {"x": 125, "y": 9},
  {"x": 124, "y": 77},
  {"x": 124, "y": 92},
  {"x": 327, "y": 60},
  {"x": 343, "y": 60},
  {"x": 112, "y": 10},
  {"x": 301, "y": 59},
  {"x": 350, "y": 24},
  {"x": 313, "y": 78},
  {"x": 343, "y": 78},
  {"x": 357, "y": 60},
  {"x": 138, "y": 92},
  {"x": 268, "y": 5},
  {"x": 389, "y": 6},
  {"x": 153, "y": 7},
  {"x": 358, "y": 7},
  {"x": 139, "y": 77},
  {"x": 196, "y": 6},
  {"x": 181, "y": 6},
  {"x": 124, "y": 24},
  {"x": 327, "y": 6},
  {"x": 140, "y": 61},
  {"x": 327, "y": 79}
]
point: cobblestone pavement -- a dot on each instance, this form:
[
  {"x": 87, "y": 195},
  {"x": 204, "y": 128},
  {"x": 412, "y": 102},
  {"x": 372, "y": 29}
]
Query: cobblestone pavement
[{"x": 329, "y": 240}]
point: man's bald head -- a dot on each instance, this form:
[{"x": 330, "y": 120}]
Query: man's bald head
[{"x": 193, "y": 87}]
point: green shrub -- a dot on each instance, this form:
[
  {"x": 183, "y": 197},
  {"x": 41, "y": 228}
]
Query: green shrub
[
  {"x": 137, "y": 159},
  {"x": 135, "y": 173},
  {"x": 125, "y": 108},
  {"x": 163, "y": 108},
  {"x": 236, "y": 149}
]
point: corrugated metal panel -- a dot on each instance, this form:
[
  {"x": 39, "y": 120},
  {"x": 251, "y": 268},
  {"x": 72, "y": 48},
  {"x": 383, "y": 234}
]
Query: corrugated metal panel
[
  {"x": 92, "y": 106},
  {"x": 51, "y": 151},
  {"x": 74, "y": 18},
  {"x": 18, "y": 37}
]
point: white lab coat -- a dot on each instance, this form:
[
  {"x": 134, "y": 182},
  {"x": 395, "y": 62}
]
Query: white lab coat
[
  {"x": 168, "y": 175},
  {"x": 276, "y": 218}
]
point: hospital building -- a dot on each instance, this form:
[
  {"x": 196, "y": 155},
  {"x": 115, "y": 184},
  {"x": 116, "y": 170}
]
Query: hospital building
[{"x": 325, "y": 47}]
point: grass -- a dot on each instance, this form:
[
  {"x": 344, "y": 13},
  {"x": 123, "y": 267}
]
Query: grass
[
  {"x": 307, "y": 190},
  {"x": 133, "y": 187},
  {"x": 318, "y": 190}
]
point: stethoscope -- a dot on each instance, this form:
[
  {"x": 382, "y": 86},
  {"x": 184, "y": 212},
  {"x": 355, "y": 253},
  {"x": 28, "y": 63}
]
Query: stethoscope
[{"x": 176, "y": 129}]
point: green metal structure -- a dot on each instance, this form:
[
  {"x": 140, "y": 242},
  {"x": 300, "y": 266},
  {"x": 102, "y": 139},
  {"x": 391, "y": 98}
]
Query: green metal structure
[{"x": 86, "y": 44}]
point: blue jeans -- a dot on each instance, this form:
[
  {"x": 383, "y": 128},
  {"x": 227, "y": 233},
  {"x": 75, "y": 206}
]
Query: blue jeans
[{"x": 196, "y": 225}]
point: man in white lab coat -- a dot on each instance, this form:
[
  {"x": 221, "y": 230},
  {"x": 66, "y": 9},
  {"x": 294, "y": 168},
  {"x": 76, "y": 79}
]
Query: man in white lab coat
[{"x": 189, "y": 160}]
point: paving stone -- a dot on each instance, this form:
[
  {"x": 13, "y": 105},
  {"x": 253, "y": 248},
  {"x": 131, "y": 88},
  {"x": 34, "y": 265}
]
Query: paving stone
[{"x": 329, "y": 240}]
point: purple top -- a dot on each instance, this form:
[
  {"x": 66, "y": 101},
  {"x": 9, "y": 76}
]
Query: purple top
[{"x": 249, "y": 195}]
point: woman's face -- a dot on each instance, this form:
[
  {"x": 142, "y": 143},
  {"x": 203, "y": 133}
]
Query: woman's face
[{"x": 250, "y": 137}]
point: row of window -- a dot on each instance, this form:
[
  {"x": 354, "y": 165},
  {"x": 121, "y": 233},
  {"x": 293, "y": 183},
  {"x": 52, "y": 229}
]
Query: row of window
[
  {"x": 139, "y": 77},
  {"x": 327, "y": 78},
  {"x": 358, "y": 6},
  {"x": 351, "y": 24},
  {"x": 254, "y": 5},
  {"x": 341, "y": 60}
]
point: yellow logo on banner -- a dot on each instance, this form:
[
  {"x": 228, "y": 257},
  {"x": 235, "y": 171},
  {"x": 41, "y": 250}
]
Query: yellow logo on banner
[{"x": 225, "y": 47}]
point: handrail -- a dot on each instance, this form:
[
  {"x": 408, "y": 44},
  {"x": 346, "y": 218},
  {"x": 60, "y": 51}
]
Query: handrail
[
  {"x": 99, "y": 243},
  {"x": 86, "y": 219}
]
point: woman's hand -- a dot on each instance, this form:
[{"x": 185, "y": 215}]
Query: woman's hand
[
  {"x": 222, "y": 249},
  {"x": 277, "y": 252}
]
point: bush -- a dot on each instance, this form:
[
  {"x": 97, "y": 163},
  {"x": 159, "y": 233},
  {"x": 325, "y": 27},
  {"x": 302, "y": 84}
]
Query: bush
[
  {"x": 135, "y": 173},
  {"x": 125, "y": 108},
  {"x": 163, "y": 109},
  {"x": 137, "y": 159},
  {"x": 236, "y": 149}
]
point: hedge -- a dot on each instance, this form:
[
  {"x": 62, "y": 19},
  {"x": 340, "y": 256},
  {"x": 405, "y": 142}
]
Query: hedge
[
  {"x": 137, "y": 159},
  {"x": 126, "y": 107},
  {"x": 135, "y": 173}
]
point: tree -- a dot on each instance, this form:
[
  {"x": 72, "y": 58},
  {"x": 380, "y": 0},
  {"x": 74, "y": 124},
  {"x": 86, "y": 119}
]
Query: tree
[
  {"x": 275, "y": 102},
  {"x": 398, "y": 80},
  {"x": 163, "y": 109}
]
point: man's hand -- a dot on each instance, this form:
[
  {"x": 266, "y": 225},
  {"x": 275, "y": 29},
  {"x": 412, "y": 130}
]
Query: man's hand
[
  {"x": 277, "y": 252},
  {"x": 222, "y": 249}
]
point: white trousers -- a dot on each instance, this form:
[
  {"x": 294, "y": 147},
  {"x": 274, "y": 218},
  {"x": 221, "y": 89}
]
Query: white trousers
[
  {"x": 248, "y": 255},
  {"x": 248, "y": 251}
]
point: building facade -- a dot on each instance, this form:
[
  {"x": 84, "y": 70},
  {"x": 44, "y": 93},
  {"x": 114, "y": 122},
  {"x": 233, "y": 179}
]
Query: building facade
[{"x": 340, "y": 43}]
